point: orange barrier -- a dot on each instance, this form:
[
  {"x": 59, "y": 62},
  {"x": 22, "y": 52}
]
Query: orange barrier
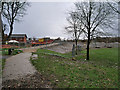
[
  {"x": 42, "y": 43},
  {"x": 8, "y": 46}
]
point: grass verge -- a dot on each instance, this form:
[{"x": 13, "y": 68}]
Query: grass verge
[
  {"x": 2, "y": 64},
  {"x": 64, "y": 72},
  {"x": 15, "y": 51}
]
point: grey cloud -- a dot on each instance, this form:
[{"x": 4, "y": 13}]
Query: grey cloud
[{"x": 44, "y": 19}]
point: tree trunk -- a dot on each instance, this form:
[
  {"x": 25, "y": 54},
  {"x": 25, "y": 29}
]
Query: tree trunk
[
  {"x": 88, "y": 43},
  {"x": 0, "y": 27},
  {"x": 11, "y": 30},
  {"x": 89, "y": 28},
  {"x": 1, "y": 30},
  {"x": 12, "y": 21},
  {"x": 76, "y": 45}
]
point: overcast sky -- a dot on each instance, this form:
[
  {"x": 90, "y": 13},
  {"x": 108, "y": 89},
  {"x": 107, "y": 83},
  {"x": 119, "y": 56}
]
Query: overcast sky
[{"x": 45, "y": 19}]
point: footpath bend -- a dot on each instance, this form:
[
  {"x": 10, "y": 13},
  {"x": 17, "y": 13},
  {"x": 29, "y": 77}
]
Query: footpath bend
[{"x": 19, "y": 65}]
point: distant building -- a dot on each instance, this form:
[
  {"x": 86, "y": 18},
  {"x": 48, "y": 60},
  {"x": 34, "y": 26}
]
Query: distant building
[
  {"x": 46, "y": 38},
  {"x": 107, "y": 39},
  {"x": 21, "y": 38},
  {"x": 41, "y": 41}
]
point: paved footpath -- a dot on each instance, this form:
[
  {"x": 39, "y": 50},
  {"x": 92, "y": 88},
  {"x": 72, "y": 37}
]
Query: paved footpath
[{"x": 19, "y": 65}]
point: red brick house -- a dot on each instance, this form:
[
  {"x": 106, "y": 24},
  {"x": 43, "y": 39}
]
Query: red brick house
[{"x": 21, "y": 38}]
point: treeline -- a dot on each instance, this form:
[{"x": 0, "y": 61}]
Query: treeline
[
  {"x": 101, "y": 39},
  {"x": 107, "y": 39}
]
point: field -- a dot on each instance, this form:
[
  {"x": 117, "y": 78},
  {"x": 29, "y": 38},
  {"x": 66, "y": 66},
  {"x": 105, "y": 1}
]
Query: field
[{"x": 99, "y": 72}]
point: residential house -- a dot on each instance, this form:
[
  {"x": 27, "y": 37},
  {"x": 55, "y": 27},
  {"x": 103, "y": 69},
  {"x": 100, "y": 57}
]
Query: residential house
[{"x": 21, "y": 38}]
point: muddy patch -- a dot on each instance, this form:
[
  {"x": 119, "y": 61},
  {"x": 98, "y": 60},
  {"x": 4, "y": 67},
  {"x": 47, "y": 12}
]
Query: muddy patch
[{"x": 36, "y": 80}]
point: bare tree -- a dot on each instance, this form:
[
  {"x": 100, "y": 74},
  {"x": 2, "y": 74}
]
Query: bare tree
[
  {"x": 0, "y": 28},
  {"x": 1, "y": 24},
  {"x": 115, "y": 6},
  {"x": 74, "y": 27},
  {"x": 96, "y": 17},
  {"x": 11, "y": 12}
]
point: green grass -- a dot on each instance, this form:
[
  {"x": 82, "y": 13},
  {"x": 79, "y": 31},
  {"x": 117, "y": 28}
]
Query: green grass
[
  {"x": 5, "y": 51},
  {"x": 2, "y": 63},
  {"x": 45, "y": 51},
  {"x": 105, "y": 56},
  {"x": 64, "y": 72},
  {"x": 17, "y": 52}
]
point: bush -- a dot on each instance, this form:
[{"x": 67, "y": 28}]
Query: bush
[{"x": 16, "y": 52}]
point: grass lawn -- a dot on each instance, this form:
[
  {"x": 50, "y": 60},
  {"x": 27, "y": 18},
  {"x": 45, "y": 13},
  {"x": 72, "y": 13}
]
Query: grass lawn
[
  {"x": 104, "y": 56},
  {"x": 2, "y": 63},
  {"x": 49, "y": 52},
  {"x": 5, "y": 51},
  {"x": 99, "y": 72}
]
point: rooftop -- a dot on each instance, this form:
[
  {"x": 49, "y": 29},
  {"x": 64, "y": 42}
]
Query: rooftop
[{"x": 19, "y": 35}]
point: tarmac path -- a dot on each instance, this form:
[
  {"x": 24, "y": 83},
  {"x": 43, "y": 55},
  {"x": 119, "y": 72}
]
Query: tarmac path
[{"x": 19, "y": 65}]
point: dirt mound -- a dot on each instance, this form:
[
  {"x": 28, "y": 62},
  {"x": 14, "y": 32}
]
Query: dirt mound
[{"x": 62, "y": 48}]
